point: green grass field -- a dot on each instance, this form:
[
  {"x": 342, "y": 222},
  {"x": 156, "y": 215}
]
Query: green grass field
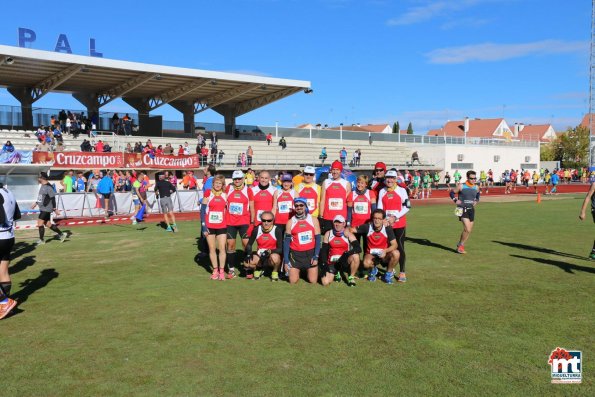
[{"x": 126, "y": 310}]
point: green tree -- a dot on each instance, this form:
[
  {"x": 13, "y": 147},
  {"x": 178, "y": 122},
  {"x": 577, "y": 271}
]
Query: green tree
[
  {"x": 395, "y": 128},
  {"x": 574, "y": 147},
  {"x": 398, "y": 128},
  {"x": 409, "y": 129}
]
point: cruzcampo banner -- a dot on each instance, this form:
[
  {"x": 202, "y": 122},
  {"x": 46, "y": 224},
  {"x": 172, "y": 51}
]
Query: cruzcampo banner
[
  {"x": 160, "y": 161},
  {"x": 79, "y": 160}
]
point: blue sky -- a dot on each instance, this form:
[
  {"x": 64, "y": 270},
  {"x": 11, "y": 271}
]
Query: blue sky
[{"x": 369, "y": 61}]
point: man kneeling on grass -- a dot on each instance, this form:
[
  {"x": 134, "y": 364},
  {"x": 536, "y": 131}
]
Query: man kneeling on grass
[
  {"x": 269, "y": 243},
  {"x": 339, "y": 253}
]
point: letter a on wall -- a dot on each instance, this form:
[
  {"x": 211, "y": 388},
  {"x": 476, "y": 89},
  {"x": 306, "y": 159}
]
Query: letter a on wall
[{"x": 62, "y": 45}]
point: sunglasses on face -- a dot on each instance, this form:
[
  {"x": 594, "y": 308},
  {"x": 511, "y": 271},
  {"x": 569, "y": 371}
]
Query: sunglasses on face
[
  {"x": 308, "y": 174},
  {"x": 472, "y": 179},
  {"x": 379, "y": 170},
  {"x": 266, "y": 220},
  {"x": 238, "y": 179},
  {"x": 299, "y": 205}
]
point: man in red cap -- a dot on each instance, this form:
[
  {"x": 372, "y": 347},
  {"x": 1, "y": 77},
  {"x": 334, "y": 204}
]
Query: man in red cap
[
  {"x": 377, "y": 183},
  {"x": 333, "y": 198}
]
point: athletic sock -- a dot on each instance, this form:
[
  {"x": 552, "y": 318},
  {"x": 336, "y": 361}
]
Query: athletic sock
[
  {"x": 231, "y": 260},
  {"x": 41, "y": 232},
  {"x": 55, "y": 229},
  {"x": 5, "y": 289}
]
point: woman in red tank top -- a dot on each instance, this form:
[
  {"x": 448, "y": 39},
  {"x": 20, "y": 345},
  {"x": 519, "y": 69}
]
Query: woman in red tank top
[{"x": 213, "y": 215}]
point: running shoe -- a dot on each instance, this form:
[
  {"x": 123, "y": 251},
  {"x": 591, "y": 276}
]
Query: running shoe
[
  {"x": 5, "y": 308},
  {"x": 592, "y": 256},
  {"x": 275, "y": 276},
  {"x": 221, "y": 274},
  {"x": 174, "y": 228},
  {"x": 40, "y": 242},
  {"x": 134, "y": 221},
  {"x": 402, "y": 277},
  {"x": 215, "y": 275},
  {"x": 461, "y": 249},
  {"x": 388, "y": 277},
  {"x": 169, "y": 229},
  {"x": 338, "y": 278},
  {"x": 232, "y": 273},
  {"x": 258, "y": 274},
  {"x": 63, "y": 236},
  {"x": 372, "y": 274},
  {"x": 351, "y": 281},
  {"x": 249, "y": 275}
]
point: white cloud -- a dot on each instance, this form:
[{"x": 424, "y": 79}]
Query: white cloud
[
  {"x": 431, "y": 10},
  {"x": 490, "y": 52},
  {"x": 465, "y": 23}
]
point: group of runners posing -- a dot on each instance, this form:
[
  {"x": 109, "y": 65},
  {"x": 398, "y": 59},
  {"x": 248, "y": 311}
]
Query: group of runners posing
[{"x": 319, "y": 230}]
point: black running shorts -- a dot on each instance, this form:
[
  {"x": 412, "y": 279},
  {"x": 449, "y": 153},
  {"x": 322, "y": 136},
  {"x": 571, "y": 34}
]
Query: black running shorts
[
  {"x": 232, "y": 232},
  {"x": 45, "y": 216},
  {"x": 5, "y": 248},
  {"x": 301, "y": 259}
]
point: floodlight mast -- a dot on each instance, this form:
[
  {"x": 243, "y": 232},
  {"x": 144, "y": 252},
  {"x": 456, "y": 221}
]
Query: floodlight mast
[{"x": 592, "y": 89}]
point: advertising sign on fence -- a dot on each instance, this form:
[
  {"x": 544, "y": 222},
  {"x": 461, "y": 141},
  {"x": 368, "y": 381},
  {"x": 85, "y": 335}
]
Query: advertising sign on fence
[
  {"x": 160, "y": 162},
  {"x": 79, "y": 159}
]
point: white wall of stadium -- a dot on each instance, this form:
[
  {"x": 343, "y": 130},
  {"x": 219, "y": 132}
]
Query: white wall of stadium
[{"x": 480, "y": 157}]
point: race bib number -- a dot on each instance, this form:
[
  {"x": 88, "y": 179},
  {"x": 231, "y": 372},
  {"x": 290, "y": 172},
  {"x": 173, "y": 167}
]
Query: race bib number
[
  {"x": 376, "y": 251},
  {"x": 216, "y": 217},
  {"x": 284, "y": 207},
  {"x": 335, "y": 258},
  {"x": 360, "y": 208},
  {"x": 236, "y": 208},
  {"x": 311, "y": 204},
  {"x": 335, "y": 204},
  {"x": 392, "y": 213},
  {"x": 459, "y": 211},
  {"x": 305, "y": 237}
]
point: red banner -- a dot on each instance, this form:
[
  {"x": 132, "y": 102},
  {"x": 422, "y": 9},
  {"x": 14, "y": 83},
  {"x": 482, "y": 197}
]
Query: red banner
[
  {"x": 160, "y": 162},
  {"x": 79, "y": 160}
]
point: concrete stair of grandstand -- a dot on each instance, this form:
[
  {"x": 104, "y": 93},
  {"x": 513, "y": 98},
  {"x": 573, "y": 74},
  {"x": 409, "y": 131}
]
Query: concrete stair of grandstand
[{"x": 299, "y": 151}]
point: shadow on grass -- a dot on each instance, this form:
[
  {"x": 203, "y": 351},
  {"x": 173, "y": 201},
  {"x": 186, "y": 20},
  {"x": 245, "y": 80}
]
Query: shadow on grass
[
  {"x": 428, "y": 243},
  {"x": 21, "y": 248},
  {"x": 567, "y": 267},
  {"x": 541, "y": 250},
  {"x": 22, "y": 264},
  {"x": 32, "y": 285}
]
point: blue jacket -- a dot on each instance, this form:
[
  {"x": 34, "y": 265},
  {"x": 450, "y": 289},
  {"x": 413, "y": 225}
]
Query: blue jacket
[{"x": 105, "y": 185}]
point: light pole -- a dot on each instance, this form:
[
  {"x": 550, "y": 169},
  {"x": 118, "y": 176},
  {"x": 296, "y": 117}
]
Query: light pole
[
  {"x": 341, "y": 132},
  {"x": 276, "y": 129}
]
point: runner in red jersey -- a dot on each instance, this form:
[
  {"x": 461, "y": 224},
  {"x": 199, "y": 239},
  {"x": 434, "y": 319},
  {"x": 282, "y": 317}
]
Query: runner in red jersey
[
  {"x": 283, "y": 201},
  {"x": 238, "y": 218},
  {"x": 340, "y": 251},
  {"x": 377, "y": 183},
  {"x": 301, "y": 245},
  {"x": 363, "y": 202},
  {"x": 269, "y": 246},
  {"x": 213, "y": 216},
  {"x": 333, "y": 200},
  {"x": 394, "y": 200},
  {"x": 381, "y": 246},
  {"x": 310, "y": 191},
  {"x": 261, "y": 197}
]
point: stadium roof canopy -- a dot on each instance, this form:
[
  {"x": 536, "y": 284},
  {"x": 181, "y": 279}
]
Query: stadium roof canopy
[{"x": 146, "y": 85}]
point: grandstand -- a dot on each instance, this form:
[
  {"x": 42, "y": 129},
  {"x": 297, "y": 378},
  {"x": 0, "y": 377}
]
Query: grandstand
[{"x": 299, "y": 151}]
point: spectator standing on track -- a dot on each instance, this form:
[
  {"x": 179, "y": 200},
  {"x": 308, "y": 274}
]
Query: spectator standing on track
[
  {"x": 163, "y": 191},
  {"x": 269, "y": 139},
  {"x": 105, "y": 188},
  {"x": 282, "y": 143},
  {"x": 67, "y": 182},
  {"x": 46, "y": 201}
]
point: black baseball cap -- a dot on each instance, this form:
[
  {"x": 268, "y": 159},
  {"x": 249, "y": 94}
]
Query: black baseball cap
[{"x": 43, "y": 175}]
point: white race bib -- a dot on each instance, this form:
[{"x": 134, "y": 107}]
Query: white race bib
[
  {"x": 335, "y": 204},
  {"x": 360, "y": 207},
  {"x": 376, "y": 251},
  {"x": 305, "y": 237},
  {"x": 394, "y": 213},
  {"x": 236, "y": 208},
  {"x": 311, "y": 204},
  {"x": 335, "y": 258},
  {"x": 216, "y": 217},
  {"x": 459, "y": 211},
  {"x": 284, "y": 207}
]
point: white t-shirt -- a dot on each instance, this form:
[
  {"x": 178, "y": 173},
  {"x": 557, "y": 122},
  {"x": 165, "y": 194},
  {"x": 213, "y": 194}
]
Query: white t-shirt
[{"x": 7, "y": 228}]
